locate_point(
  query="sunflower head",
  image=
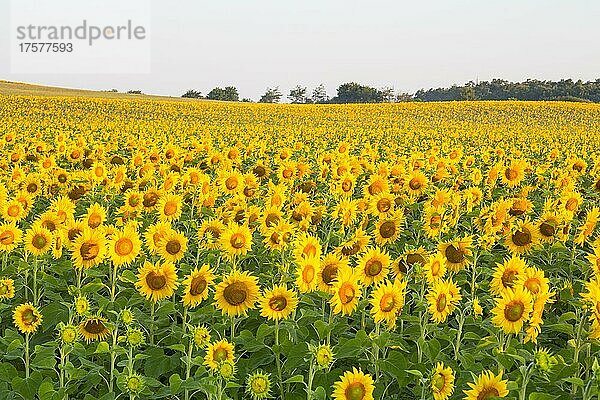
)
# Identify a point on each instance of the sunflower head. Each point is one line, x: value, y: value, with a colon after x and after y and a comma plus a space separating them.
x: 94, y: 328
x: 258, y: 385
x: 27, y: 318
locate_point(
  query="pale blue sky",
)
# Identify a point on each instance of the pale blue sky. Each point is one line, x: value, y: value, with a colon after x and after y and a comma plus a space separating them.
x: 253, y: 44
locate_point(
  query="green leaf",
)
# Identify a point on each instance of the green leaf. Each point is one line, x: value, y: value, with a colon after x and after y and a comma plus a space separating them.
x: 46, y: 389
x: 541, y: 396
x: 177, y: 347
x: 319, y: 393
x: 415, y: 372
x: 574, y: 380
x: 102, y: 347
x: 175, y: 383
x: 295, y: 379
x: 44, y: 358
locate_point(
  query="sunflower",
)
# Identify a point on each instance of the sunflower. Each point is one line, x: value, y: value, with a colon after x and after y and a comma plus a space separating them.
x: 587, y: 228
x: 27, y: 318
x: 230, y: 182
x: 506, y: 275
x: 354, y: 385
x: 236, y: 240
x: 442, y: 382
x: 307, y: 274
x: 196, y: 286
x: 487, y: 385
x: 154, y: 234
x: 218, y: 352
x: 521, y: 237
x: 373, y: 266
x: 416, y: 183
x: 13, y: 211
x: 258, y: 385
x: 387, y: 229
x: 433, y: 219
x: 387, y: 301
x: 236, y: 293
x: 548, y: 226
x: 331, y: 264
x: 382, y: 204
x: 514, y: 173
x: 157, y: 281
x: 278, y: 303
x: 94, y: 328
x: 170, y: 207
x: 38, y: 240
x: 306, y: 246
x: 172, y: 246
x: 435, y: 268
x: 7, y: 288
x: 133, y: 201
x: 457, y: 253
x: 125, y: 246
x: 89, y: 249
x: 346, y: 292
x: 375, y: 186
x: 443, y: 298
x: 10, y: 236
x: 534, y: 281
x: 96, y: 215
x: 210, y: 232
x: 594, y: 260
x: 512, y: 310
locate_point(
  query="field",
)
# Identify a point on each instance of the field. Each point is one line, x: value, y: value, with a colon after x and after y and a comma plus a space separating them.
x: 154, y: 248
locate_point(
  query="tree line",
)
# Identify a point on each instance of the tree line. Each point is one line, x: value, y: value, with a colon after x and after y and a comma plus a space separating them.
x: 352, y: 92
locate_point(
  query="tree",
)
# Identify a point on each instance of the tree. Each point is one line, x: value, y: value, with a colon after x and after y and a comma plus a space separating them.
x: 192, y: 94
x: 230, y: 93
x: 388, y: 94
x: 354, y: 93
x: 298, y: 95
x: 272, y: 95
x: 319, y: 95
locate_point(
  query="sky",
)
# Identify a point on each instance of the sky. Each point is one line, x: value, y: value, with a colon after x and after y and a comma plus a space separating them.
x: 407, y: 45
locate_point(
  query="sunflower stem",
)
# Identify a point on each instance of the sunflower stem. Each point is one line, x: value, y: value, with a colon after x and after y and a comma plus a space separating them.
x: 232, y: 328
x: 152, y: 309
x: 376, y: 352
x: 27, y: 355
x: 188, y: 365
x: 311, y: 376
x: 113, y: 358
x: 461, y: 320
x: 113, y: 284
x: 277, y: 359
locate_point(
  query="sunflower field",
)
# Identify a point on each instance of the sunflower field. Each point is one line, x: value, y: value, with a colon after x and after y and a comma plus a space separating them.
x: 206, y: 250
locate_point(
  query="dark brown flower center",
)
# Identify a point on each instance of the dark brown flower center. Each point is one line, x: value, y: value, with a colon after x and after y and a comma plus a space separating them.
x: 89, y: 251
x: 329, y: 273
x: 513, y: 311
x: 355, y: 391
x: 547, y: 228
x: 441, y: 302
x: 278, y: 303
x: 454, y: 254
x: 235, y: 293
x: 521, y: 238
x: 373, y: 267
x: 156, y: 281
x: 173, y: 247
x: 39, y: 241
x: 198, y: 285
x: 387, y: 229
x: 94, y: 326
x: 387, y: 302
